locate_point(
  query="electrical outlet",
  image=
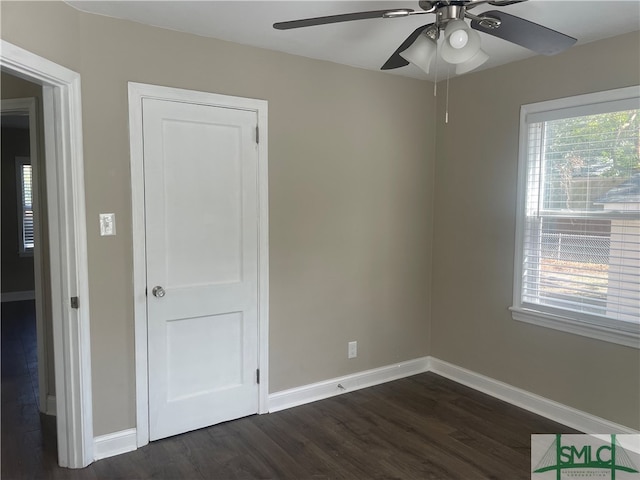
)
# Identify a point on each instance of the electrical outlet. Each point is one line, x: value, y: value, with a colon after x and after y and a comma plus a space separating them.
x: 353, y: 349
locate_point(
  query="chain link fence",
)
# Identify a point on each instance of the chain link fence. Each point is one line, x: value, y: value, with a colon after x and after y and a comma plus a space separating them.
x: 576, y: 248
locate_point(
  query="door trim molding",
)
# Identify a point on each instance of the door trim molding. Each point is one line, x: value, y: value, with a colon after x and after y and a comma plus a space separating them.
x: 63, y: 157
x: 137, y: 92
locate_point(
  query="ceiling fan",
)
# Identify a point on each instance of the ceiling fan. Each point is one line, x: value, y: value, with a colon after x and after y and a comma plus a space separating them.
x: 461, y: 45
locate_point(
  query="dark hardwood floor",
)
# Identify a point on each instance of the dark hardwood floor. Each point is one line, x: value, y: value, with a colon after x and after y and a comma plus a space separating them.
x: 421, y: 427
x: 28, y: 438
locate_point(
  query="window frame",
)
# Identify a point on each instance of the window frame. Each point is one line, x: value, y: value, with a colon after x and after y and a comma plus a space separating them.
x: 23, y: 250
x: 610, y: 330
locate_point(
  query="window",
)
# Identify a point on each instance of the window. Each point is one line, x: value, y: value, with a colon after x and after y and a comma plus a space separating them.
x: 25, y: 206
x: 577, y: 265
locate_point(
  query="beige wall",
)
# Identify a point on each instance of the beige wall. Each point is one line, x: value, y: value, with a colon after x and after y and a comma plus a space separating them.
x: 351, y: 158
x: 477, y: 156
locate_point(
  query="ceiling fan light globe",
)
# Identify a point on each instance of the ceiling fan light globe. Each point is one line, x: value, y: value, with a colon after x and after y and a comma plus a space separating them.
x: 420, y: 53
x: 459, y: 39
x: 473, y: 63
x: 453, y: 36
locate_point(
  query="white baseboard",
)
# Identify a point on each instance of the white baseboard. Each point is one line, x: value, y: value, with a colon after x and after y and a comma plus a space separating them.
x: 550, y: 409
x: 114, y: 443
x: 51, y: 405
x: 329, y: 388
x: 126, y: 440
x: 17, y: 296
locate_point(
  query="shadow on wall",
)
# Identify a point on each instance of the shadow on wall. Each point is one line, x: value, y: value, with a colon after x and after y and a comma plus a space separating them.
x: 17, y: 269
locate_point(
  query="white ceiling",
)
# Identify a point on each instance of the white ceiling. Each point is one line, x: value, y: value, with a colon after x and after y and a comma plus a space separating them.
x: 364, y: 43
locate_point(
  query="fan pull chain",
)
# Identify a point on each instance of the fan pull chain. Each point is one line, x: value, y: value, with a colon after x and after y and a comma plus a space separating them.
x: 435, y: 83
x: 446, y: 109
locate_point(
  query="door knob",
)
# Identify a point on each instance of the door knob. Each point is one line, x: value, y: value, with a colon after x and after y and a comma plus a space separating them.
x: 158, y: 291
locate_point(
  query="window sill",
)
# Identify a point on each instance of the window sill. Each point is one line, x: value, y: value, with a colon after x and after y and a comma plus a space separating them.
x: 569, y: 325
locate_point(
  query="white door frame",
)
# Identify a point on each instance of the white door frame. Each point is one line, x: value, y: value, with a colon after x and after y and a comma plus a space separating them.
x: 28, y: 106
x: 138, y: 91
x: 68, y: 247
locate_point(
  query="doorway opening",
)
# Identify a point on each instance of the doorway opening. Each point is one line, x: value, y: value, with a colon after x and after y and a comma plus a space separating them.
x: 28, y: 389
x: 66, y: 242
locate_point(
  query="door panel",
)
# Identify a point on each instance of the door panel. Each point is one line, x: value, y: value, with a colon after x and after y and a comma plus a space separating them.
x: 213, y: 199
x: 200, y: 166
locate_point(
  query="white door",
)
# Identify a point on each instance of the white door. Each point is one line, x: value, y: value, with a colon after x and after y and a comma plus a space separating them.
x: 201, y: 207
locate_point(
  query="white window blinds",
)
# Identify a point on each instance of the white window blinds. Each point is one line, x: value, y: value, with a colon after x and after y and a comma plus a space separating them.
x: 26, y: 205
x: 579, y: 230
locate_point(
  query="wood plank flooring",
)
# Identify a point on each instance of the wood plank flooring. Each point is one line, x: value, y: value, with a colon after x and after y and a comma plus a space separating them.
x: 421, y: 427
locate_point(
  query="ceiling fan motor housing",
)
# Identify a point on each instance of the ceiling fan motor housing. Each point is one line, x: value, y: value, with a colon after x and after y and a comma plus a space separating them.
x: 446, y: 13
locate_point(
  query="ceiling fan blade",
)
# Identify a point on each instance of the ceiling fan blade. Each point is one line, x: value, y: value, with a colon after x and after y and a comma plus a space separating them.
x: 395, y: 60
x: 504, y: 3
x: 527, y: 34
x: 345, y: 17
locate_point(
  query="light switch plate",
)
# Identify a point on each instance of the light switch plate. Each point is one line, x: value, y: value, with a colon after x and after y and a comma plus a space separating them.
x: 107, y: 224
